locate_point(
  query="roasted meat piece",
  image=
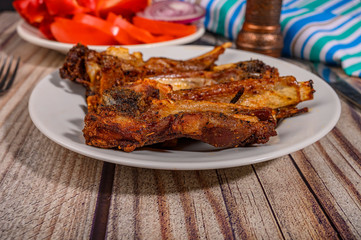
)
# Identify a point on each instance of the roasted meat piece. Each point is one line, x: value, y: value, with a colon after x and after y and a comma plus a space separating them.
x: 118, y: 66
x: 134, y: 103
x: 274, y: 93
x: 132, y: 117
x: 253, y: 69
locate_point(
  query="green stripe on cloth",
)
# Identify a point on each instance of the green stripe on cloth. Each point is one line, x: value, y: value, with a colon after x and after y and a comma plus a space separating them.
x: 313, y: 4
x: 351, y: 9
x: 214, y: 17
x: 320, y: 43
x: 349, y: 68
x: 223, y: 15
x: 285, y: 21
x: 309, y: 27
x: 353, y: 68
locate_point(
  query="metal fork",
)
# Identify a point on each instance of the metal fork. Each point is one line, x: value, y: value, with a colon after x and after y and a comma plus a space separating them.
x: 7, y: 79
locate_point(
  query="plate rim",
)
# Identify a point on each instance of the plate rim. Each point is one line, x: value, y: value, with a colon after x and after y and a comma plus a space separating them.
x: 224, y: 163
x: 22, y: 29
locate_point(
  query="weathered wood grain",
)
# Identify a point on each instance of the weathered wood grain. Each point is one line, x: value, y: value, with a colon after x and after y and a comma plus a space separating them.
x: 216, y: 204
x: 46, y: 190
x: 332, y: 169
x: 295, y: 208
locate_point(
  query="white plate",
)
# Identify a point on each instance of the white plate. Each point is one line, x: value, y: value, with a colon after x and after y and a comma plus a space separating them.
x: 34, y: 36
x: 57, y: 107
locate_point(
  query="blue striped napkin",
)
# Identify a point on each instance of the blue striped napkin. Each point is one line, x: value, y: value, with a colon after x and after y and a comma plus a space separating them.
x: 317, y: 30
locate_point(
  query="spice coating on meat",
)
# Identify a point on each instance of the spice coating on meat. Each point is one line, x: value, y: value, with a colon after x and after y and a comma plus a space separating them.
x: 145, y: 119
x: 134, y: 102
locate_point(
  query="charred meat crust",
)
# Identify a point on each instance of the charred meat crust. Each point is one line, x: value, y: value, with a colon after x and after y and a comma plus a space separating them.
x: 232, y: 105
x: 128, y: 119
x: 213, y: 128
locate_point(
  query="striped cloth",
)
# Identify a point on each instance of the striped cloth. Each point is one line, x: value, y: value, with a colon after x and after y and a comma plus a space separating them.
x: 317, y: 30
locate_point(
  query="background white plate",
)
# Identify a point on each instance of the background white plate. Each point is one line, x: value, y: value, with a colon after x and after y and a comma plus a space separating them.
x: 57, y: 107
x: 33, y: 35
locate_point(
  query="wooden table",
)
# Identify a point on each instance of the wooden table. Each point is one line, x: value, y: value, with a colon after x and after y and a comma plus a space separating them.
x: 47, y: 191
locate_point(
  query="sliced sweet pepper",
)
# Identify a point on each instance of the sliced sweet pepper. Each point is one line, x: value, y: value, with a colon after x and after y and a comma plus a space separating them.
x: 108, y: 27
x: 162, y: 27
x: 124, y: 7
x: 44, y: 27
x: 33, y: 11
x: 64, y: 7
x: 89, y: 5
x: 96, y: 22
x: 70, y: 31
x: 135, y: 32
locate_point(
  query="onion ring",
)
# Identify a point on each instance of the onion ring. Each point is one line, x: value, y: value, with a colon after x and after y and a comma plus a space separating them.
x: 173, y: 11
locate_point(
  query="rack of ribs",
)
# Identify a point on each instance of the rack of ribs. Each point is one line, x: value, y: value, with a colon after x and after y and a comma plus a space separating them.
x: 134, y: 103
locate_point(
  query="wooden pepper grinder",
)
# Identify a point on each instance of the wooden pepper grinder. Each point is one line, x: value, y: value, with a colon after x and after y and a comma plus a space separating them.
x: 261, y: 31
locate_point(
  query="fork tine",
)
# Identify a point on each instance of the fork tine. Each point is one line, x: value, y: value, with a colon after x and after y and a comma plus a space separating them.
x: 5, y: 77
x: 10, y: 82
x: 6, y: 83
x: 2, y: 65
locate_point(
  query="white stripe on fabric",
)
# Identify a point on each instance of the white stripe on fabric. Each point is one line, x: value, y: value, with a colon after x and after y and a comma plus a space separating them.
x: 332, y: 43
x: 291, y: 14
x: 296, y: 19
x: 214, y: 15
x: 239, y: 22
x: 314, y: 28
x: 357, y: 73
x: 347, y: 51
x: 302, y: 3
x: 328, y: 4
x: 351, y: 61
x: 354, y: 11
x: 319, y: 35
x: 229, y: 15
x: 291, y: 3
x: 346, y: 6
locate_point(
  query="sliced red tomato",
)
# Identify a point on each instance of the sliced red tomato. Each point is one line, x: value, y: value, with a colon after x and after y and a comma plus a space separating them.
x: 33, y: 11
x: 162, y: 27
x: 125, y: 8
x: 70, y: 31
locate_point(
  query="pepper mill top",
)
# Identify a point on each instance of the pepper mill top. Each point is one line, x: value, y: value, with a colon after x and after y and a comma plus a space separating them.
x: 261, y: 31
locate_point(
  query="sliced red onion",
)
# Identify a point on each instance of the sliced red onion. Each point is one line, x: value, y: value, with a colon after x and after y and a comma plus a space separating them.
x: 173, y: 11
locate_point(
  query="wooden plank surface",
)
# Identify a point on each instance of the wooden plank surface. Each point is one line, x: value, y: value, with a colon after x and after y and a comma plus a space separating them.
x: 332, y: 169
x: 47, y: 191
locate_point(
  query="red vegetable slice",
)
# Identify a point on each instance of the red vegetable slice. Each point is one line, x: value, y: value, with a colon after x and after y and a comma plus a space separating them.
x: 135, y: 32
x: 69, y: 31
x: 96, y: 22
x: 64, y: 7
x: 44, y: 27
x: 173, y: 11
x: 162, y: 27
x: 88, y: 4
x: 33, y: 11
x: 126, y: 8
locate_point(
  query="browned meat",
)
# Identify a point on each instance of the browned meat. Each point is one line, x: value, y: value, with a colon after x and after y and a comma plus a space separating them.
x: 134, y: 103
x: 118, y: 66
x: 128, y: 119
x: 257, y: 93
